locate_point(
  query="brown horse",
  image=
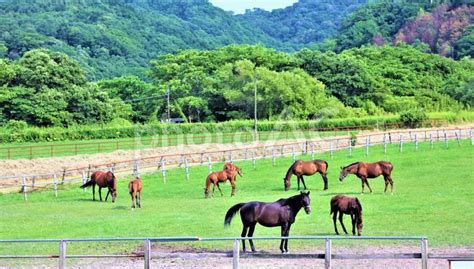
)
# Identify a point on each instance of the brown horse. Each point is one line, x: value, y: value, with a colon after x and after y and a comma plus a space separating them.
x: 347, y: 205
x: 306, y: 168
x: 369, y: 170
x: 135, y: 190
x: 221, y: 176
x: 280, y: 213
x: 103, y: 179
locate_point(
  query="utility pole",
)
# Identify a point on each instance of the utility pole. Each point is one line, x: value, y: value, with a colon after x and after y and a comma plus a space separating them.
x: 168, y: 101
x: 255, y: 103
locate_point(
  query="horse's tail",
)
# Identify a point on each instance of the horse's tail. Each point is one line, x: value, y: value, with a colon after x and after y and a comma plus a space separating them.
x: 359, y: 213
x: 88, y: 183
x: 327, y: 166
x: 231, y: 213
x: 358, y: 203
x: 130, y: 187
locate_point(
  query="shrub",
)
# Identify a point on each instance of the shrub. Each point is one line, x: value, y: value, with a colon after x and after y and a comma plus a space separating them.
x: 16, y: 125
x: 413, y: 118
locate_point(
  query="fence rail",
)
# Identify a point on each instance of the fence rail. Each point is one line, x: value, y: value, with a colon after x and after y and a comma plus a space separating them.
x: 328, y: 256
x: 68, y: 149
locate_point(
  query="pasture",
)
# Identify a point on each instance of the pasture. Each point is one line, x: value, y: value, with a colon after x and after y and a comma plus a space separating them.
x: 432, y: 197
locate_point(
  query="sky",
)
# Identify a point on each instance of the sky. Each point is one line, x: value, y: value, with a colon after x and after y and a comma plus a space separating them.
x: 239, y: 6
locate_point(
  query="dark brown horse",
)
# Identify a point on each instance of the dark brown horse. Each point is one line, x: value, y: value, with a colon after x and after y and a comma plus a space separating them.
x: 369, y: 170
x: 222, y: 176
x: 135, y: 190
x: 306, y: 168
x: 347, y: 205
x: 280, y: 213
x: 103, y: 179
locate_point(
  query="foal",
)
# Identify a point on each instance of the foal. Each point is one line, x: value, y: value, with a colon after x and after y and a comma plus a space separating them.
x: 347, y: 205
x: 135, y: 190
x: 229, y: 173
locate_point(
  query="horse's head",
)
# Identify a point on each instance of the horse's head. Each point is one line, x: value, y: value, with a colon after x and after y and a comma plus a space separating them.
x: 306, y: 201
x: 343, y: 173
x: 359, y: 227
x: 114, y: 194
x: 239, y: 171
x: 286, y: 183
x: 113, y: 186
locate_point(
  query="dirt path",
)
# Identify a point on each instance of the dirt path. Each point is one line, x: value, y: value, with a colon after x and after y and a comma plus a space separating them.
x: 193, y: 259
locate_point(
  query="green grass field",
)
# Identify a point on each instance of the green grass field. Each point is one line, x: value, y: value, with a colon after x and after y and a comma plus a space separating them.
x: 433, y: 197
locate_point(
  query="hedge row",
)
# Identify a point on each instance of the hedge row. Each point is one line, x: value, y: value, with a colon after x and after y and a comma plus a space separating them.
x: 35, y: 134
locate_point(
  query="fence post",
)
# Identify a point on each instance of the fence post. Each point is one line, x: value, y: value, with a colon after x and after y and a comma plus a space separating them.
x: 186, y: 168
x: 147, y: 254
x: 282, y: 150
x: 330, y: 149
x: 253, y: 160
x: 327, y: 254
x: 416, y: 141
x: 458, y: 138
x: 84, y: 179
x: 367, y: 146
x: 350, y: 147
x: 312, y: 151
x: 55, y: 182
x: 401, y: 143
x: 63, y: 176
x: 245, y: 154
x: 235, y: 255
x: 273, y: 156
x: 446, y: 139
x: 163, y: 169
x: 472, y: 137
x: 293, y: 153
x: 337, y: 144
x: 209, y: 163
x: 23, y: 186
x: 424, y: 253
x: 431, y: 141
x: 33, y: 179
x: 230, y: 157
x: 384, y: 144
x: 62, y: 254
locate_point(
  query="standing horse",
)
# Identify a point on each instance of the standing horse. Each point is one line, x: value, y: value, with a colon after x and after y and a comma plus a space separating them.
x: 135, y: 190
x: 306, y: 168
x: 280, y: 213
x: 103, y: 179
x: 369, y: 170
x: 347, y: 205
x: 221, y: 176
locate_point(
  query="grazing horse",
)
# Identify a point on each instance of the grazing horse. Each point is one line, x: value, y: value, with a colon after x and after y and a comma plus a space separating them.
x: 280, y: 213
x: 347, y: 205
x: 103, y: 179
x: 135, y: 190
x: 221, y: 176
x: 306, y: 168
x: 369, y: 170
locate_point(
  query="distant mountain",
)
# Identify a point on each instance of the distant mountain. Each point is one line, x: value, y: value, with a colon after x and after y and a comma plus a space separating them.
x: 115, y: 37
x: 303, y: 23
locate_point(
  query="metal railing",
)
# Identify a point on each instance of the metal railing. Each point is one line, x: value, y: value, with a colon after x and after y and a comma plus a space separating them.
x: 328, y: 256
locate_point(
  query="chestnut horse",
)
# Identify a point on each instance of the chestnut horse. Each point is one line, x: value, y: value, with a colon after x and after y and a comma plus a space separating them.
x: 103, y: 179
x: 221, y: 176
x: 347, y: 205
x: 369, y: 170
x: 135, y: 190
x: 280, y: 213
x: 306, y: 168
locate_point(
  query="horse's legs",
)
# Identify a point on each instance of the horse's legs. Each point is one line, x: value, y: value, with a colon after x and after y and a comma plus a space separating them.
x: 287, y: 234
x: 353, y: 219
x: 325, y: 179
x: 386, y: 184
x: 367, y: 183
x: 108, y: 192
x: 139, y: 195
x: 232, y: 183
x: 133, y: 199
x: 391, y: 183
x: 219, y: 189
x: 302, y: 180
x: 284, y: 229
x: 244, y: 234
x: 100, y: 193
x: 298, y: 181
x: 334, y: 217
x: 93, y: 192
x: 251, y: 230
x: 342, y: 223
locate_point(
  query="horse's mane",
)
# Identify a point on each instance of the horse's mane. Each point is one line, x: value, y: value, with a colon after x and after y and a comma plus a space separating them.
x: 290, y: 172
x: 287, y: 201
x: 351, y: 164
